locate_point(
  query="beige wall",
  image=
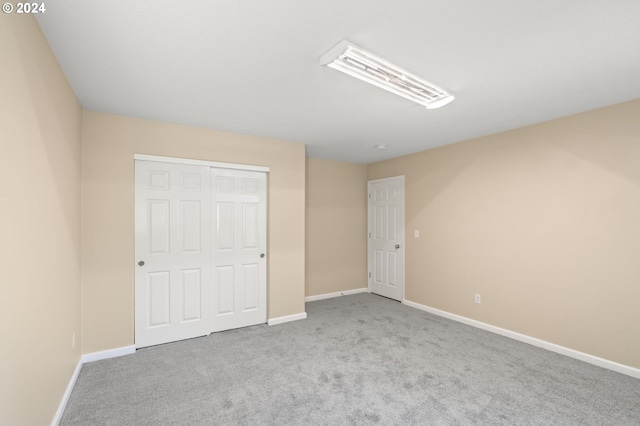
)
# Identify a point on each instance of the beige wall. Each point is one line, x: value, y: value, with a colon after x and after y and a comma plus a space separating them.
x: 542, y: 221
x: 39, y: 226
x: 109, y: 143
x: 336, y: 226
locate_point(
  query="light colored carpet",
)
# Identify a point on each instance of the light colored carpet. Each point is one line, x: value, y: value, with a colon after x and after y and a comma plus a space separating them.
x: 358, y: 360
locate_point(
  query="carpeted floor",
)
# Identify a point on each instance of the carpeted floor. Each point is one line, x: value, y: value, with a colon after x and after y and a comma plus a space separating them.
x: 358, y: 360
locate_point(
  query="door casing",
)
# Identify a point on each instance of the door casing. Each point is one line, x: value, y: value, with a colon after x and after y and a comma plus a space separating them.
x: 211, y: 164
x: 370, y: 231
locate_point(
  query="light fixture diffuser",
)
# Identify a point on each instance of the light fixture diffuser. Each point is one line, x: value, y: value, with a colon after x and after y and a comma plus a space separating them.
x: 359, y: 63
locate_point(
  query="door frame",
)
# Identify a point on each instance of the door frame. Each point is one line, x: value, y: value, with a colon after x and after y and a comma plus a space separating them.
x: 216, y: 164
x: 213, y: 164
x: 370, y: 231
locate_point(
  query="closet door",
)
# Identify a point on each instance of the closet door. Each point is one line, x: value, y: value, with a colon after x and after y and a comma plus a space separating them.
x: 239, y: 243
x: 173, y: 252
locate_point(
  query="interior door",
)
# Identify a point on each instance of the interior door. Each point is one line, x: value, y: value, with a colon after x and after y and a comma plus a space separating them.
x: 172, y: 247
x: 239, y: 243
x: 386, y: 237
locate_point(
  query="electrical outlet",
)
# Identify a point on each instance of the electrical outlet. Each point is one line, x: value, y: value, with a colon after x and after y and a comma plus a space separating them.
x: 477, y: 300
x: 73, y: 340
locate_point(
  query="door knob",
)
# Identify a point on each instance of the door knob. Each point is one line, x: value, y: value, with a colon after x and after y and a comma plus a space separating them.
x: 397, y: 246
x: 261, y: 255
x: 141, y: 263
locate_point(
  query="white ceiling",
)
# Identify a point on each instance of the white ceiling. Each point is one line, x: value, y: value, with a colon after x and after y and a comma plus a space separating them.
x: 252, y: 66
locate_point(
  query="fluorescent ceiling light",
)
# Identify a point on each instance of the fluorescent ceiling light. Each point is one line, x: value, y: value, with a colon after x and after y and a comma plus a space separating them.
x: 357, y: 62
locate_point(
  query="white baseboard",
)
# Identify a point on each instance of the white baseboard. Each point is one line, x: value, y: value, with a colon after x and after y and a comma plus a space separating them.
x: 287, y: 318
x: 591, y: 359
x: 111, y: 353
x: 67, y: 394
x: 336, y: 294
x: 95, y: 356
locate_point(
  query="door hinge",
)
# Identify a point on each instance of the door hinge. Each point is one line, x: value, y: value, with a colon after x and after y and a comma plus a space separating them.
x: 369, y: 234
x: 369, y: 274
x: 369, y: 195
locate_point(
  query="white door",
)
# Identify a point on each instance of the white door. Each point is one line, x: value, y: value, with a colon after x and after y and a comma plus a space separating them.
x: 172, y: 248
x: 386, y: 237
x: 239, y: 243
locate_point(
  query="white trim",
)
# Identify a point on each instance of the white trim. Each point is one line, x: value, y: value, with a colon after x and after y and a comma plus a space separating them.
x: 67, y: 394
x: 386, y: 179
x: 336, y: 294
x: 177, y: 160
x: 591, y: 359
x: 370, y: 228
x: 95, y: 356
x: 287, y: 318
x: 111, y: 353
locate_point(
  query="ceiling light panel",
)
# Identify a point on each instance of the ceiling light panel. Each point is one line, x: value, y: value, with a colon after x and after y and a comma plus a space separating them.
x: 359, y: 63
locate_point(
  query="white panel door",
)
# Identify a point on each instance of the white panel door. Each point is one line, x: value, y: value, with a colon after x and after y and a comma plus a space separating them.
x: 239, y: 243
x: 386, y: 237
x: 173, y: 249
